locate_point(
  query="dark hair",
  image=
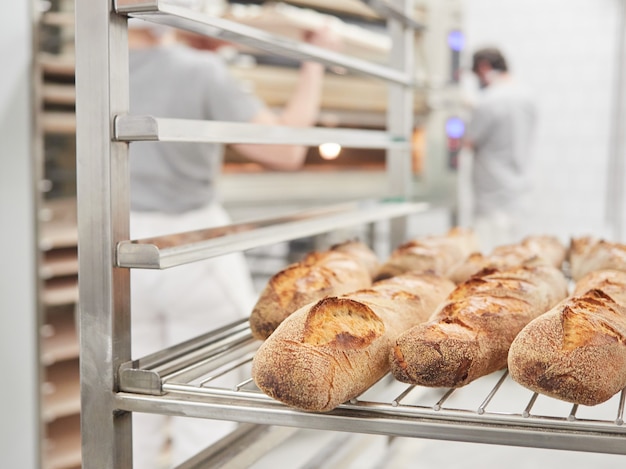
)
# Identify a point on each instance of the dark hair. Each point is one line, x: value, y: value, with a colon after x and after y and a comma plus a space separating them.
x: 492, y: 56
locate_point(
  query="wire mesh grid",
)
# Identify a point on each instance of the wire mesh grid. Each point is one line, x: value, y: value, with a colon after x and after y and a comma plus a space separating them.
x: 494, y: 398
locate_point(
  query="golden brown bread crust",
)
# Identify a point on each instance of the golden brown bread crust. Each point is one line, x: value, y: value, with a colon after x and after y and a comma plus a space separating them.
x: 470, y: 333
x: 438, y: 254
x: 611, y: 282
x: 362, y: 252
x: 576, y: 352
x: 345, y: 267
x: 333, y: 350
x: 587, y: 254
x: 532, y: 250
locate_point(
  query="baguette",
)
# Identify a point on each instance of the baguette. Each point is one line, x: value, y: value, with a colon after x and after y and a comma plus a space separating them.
x: 439, y: 254
x: 587, y: 254
x: 532, y: 250
x: 333, y: 350
x: 470, y: 333
x: 610, y: 281
x: 577, y: 351
x: 345, y: 267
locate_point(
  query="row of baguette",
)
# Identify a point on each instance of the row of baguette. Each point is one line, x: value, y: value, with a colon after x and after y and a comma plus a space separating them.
x: 438, y: 313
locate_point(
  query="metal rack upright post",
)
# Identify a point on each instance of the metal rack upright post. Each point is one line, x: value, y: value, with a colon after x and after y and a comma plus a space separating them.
x: 104, y: 129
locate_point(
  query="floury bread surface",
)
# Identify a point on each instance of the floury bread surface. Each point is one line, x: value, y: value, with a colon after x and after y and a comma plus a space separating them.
x: 334, y: 349
x: 470, y: 334
x: 438, y: 254
x: 344, y: 268
x: 587, y: 254
x: 532, y: 250
x: 576, y: 352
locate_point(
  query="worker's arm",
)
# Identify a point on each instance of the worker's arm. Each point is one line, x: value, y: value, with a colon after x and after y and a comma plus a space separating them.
x: 301, y: 110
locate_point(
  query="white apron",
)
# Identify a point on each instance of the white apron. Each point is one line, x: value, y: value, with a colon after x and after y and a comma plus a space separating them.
x: 172, y: 305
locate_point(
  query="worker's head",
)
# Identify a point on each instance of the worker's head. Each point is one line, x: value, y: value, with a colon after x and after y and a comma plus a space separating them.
x: 487, y: 61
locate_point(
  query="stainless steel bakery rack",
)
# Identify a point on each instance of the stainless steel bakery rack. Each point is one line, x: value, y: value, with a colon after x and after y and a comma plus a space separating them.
x: 192, y: 378
x: 185, y: 380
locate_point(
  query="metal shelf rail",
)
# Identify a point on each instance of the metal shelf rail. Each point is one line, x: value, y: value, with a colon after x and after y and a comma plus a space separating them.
x: 161, y: 252
x: 138, y: 128
x: 168, y: 13
x: 106, y: 254
x: 185, y: 380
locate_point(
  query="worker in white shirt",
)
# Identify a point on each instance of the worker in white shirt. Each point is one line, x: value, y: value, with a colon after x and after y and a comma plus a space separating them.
x: 173, y: 189
x: 500, y: 136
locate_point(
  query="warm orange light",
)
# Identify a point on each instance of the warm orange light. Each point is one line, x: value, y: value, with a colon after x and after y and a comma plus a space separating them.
x: 329, y: 151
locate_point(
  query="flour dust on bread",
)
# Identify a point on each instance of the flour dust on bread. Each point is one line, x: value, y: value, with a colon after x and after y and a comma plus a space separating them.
x: 576, y: 352
x: 438, y: 254
x: 532, y: 250
x: 343, y: 268
x: 470, y: 333
x: 334, y: 349
x: 587, y: 254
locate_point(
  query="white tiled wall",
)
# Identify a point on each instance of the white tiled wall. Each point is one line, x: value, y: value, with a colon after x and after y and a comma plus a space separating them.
x: 566, y: 50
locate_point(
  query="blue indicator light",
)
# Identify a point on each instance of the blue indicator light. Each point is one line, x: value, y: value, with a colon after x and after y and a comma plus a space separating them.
x: 455, y: 127
x: 456, y: 40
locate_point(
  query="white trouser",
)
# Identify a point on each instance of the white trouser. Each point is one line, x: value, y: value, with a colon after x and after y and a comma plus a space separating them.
x: 172, y: 305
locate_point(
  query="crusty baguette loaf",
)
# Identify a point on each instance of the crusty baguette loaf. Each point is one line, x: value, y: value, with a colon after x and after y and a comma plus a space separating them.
x: 344, y: 268
x: 587, y: 254
x: 333, y: 350
x: 532, y: 250
x: 439, y: 254
x: 610, y: 281
x: 576, y: 352
x: 470, y: 333
x: 361, y: 252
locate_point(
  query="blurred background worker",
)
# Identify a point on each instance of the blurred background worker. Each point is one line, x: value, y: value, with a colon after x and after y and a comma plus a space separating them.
x: 500, y: 135
x: 173, y: 190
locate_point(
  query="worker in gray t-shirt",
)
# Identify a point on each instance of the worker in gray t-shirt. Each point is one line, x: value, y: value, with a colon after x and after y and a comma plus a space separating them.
x: 175, y: 75
x: 500, y: 133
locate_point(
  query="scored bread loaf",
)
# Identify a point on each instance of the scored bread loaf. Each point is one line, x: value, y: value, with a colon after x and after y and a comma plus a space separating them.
x: 610, y: 281
x: 333, y: 350
x: 345, y: 267
x: 532, y: 250
x: 470, y: 333
x: 576, y: 352
x: 587, y: 254
x: 439, y: 254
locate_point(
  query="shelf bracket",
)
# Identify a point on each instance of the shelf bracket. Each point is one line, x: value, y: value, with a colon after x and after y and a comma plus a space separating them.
x: 140, y: 381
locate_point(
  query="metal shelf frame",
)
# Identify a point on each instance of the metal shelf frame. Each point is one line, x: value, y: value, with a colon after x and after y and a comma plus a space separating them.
x: 104, y: 130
